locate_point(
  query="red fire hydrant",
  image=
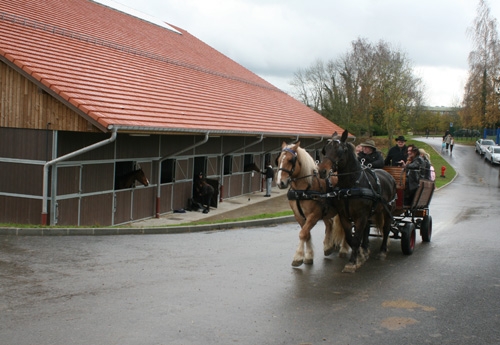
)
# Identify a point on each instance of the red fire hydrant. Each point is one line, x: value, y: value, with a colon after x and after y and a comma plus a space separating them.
x: 443, y: 169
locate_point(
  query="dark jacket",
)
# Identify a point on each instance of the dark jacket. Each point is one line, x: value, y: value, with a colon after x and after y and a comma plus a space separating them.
x: 269, y: 172
x: 414, y: 172
x: 395, y: 155
x: 375, y: 159
x: 426, y: 170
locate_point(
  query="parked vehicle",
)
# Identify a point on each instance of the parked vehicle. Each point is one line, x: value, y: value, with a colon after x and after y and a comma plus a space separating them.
x: 492, y: 154
x: 482, y: 144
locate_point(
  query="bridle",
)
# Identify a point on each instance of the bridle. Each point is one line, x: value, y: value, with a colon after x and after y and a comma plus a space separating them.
x: 293, y: 161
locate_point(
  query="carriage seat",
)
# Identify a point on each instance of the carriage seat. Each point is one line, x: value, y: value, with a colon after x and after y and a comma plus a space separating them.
x: 423, y: 195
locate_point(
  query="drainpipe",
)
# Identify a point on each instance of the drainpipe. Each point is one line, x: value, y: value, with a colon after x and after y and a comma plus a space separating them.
x: 228, y: 153
x: 158, y: 190
x: 65, y: 157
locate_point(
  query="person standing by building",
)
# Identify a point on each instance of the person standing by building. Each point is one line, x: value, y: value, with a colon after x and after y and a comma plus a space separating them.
x: 397, y: 153
x: 269, y: 173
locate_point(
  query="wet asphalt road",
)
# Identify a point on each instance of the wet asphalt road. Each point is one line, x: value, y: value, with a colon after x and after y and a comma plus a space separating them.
x: 238, y: 287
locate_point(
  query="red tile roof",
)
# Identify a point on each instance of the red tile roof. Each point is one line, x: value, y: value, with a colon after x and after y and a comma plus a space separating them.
x: 125, y: 72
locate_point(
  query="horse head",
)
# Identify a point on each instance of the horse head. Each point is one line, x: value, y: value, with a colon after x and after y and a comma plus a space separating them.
x: 287, y: 165
x: 336, y: 154
x: 141, y: 177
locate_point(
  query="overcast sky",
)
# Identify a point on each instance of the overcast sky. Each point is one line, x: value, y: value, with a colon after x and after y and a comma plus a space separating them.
x: 275, y: 38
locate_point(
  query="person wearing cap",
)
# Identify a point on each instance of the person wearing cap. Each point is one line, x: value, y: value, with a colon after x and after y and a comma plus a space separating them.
x: 397, y: 153
x: 369, y: 156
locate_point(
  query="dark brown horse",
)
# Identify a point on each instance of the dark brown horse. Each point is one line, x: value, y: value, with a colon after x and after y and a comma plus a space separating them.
x: 298, y: 170
x: 361, y: 194
x: 251, y: 167
x: 127, y: 180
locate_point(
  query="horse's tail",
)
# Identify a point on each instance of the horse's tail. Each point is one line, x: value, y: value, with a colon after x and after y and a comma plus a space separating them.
x: 338, y: 231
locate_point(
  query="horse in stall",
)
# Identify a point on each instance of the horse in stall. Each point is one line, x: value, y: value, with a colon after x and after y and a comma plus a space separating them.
x: 251, y: 167
x: 298, y: 170
x: 127, y: 180
x: 362, y: 194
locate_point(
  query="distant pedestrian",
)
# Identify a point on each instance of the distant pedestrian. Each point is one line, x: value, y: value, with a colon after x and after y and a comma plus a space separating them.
x: 452, y: 142
x: 269, y: 173
x: 447, y: 141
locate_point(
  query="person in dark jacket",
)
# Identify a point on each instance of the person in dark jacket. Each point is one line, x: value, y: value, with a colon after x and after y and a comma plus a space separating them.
x: 269, y: 173
x: 414, y: 167
x: 397, y: 153
x: 369, y: 156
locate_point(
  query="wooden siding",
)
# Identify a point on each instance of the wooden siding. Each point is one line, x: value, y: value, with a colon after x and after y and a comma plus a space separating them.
x: 181, y: 193
x: 131, y: 146
x: 143, y: 203
x: 24, y: 105
x: 97, y: 177
x: 20, y: 210
x: 21, y: 178
x: 96, y: 210
x: 71, y: 141
x: 171, y: 144
x: 184, y: 169
x: 123, y: 204
x: 68, y: 180
x: 67, y: 211
x: 25, y: 143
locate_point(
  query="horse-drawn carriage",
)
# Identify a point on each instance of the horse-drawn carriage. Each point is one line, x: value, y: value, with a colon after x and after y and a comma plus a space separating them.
x: 357, y: 197
x: 408, y: 218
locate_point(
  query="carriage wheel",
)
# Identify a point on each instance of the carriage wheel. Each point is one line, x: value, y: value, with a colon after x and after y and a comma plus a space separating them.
x: 426, y: 228
x: 408, y: 239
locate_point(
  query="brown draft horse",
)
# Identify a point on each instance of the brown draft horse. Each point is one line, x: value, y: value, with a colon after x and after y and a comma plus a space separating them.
x: 127, y: 180
x: 361, y: 194
x: 298, y: 170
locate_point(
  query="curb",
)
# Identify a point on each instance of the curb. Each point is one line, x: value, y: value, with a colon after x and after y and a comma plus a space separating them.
x: 144, y: 231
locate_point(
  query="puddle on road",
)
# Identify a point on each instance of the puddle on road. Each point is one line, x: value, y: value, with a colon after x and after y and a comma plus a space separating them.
x: 404, y: 304
x: 397, y: 323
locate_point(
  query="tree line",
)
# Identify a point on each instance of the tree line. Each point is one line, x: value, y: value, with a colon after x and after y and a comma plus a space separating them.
x: 372, y: 89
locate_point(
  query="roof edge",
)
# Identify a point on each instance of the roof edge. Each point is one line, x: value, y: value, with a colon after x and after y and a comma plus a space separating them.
x: 164, y: 130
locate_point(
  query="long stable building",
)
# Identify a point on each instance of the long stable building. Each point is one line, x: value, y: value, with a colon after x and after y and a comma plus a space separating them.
x: 90, y: 92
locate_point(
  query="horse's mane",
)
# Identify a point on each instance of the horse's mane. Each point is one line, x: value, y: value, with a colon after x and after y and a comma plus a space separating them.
x: 307, y: 162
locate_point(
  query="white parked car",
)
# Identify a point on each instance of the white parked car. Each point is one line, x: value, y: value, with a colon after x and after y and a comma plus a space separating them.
x: 482, y: 144
x: 492, y: 154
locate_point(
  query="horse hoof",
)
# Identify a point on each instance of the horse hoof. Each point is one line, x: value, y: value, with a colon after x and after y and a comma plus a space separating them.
x: 349, y: 268
x: 329, y: 251
x: 308, y: 261
x: 297, y: 263
x: 381, y: 256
